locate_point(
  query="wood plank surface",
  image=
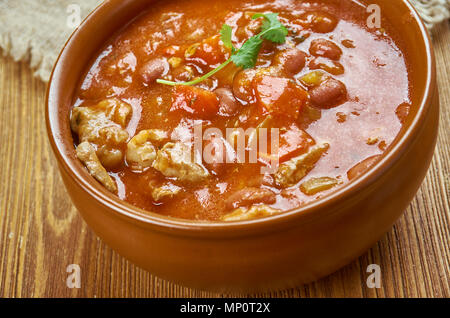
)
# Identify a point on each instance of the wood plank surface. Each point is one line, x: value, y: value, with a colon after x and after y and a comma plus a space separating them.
x: 41, y: 232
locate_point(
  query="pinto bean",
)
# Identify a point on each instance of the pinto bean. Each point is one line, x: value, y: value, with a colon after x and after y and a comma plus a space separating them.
x: 291, y: 61
x: 154, y: 69
x: 318, y: 21
x: 183, y: 73
x: 110, y: 157
x: 250, y: 196
x: 242, y: 84
x: 228, y: 105
x: 325, y: 48
x: 86, y: 153
x: 328, y: 94
x: 362, y: 167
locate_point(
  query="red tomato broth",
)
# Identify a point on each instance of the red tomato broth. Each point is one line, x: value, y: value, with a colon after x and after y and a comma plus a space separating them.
x: 375, y: 76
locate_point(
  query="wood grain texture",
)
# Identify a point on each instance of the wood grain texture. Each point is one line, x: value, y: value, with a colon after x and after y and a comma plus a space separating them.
x: 41, y: 232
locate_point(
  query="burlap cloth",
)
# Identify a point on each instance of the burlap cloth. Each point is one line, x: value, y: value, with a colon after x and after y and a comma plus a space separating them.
x: 36, y: 30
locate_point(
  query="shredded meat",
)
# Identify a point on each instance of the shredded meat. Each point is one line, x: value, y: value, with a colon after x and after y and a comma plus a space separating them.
x: 157, y: 136
x: 103, y: 125
x: 292, y: 171
x: 86, y: 153
x: 250, y: 196
x: 164, y: 192
x: 87, y: 121
x: 175, y: 160
x: 140, y: 152
x: 256, y: 211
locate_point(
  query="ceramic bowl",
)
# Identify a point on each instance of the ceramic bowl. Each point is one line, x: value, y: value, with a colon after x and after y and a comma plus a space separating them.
x: 299, y: 246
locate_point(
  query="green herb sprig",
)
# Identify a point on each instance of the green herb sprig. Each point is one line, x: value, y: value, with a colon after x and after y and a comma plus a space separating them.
x: 272, y: 30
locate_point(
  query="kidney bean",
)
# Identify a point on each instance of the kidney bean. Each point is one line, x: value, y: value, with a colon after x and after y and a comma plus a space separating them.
x: 154, y: 69
x: 325, y: 48
x: 362, y: 167
x: 318, y: 21
x: 183, y: 73
x: 242, y: 85
x: 228, y: 105
x: 328, y: 94
x: 291, y: 61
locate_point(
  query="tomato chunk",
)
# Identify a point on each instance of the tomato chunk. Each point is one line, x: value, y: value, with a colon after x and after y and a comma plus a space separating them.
x: 196, y: 101
x: 280, y: 96
x: 293, y: 142
x: 209, y: 52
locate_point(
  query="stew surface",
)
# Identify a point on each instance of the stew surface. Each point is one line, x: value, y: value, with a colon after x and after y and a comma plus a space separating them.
x: 336, y: 91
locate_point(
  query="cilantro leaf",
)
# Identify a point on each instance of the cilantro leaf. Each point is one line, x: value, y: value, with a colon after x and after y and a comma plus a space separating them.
x: 246, y: 56
x: 226, y: 35
x: 272, y: 29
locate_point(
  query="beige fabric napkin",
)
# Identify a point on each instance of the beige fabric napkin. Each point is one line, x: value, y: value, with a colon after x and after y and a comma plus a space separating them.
x: 432, y: 11
x: 36, y: 30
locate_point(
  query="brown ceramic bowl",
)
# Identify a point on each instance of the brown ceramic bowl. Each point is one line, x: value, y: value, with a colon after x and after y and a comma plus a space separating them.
x: 282, y: 251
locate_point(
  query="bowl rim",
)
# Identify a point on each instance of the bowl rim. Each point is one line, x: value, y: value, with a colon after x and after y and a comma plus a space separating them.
x: 180, y: 226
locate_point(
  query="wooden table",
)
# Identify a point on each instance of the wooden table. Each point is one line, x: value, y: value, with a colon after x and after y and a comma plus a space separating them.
x: 41, y: 232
